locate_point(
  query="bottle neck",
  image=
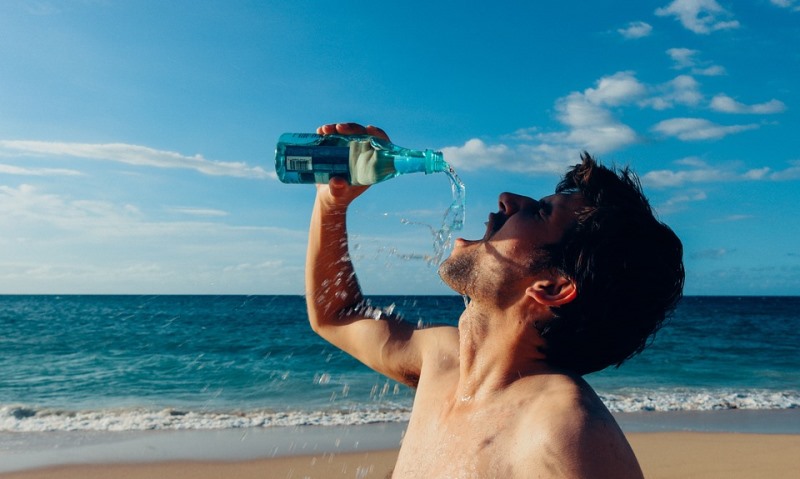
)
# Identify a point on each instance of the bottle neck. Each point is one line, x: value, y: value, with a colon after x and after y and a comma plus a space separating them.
x: 427, y: 161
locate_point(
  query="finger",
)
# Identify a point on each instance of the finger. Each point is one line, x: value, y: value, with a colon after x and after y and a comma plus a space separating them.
x: 377, y: 132
x: 342, y: 191
x: 327, y: 129
x: 337, y: 185
x: 350, y: 129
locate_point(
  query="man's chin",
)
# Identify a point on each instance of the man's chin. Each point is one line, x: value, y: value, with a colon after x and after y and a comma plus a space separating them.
x: 455, y: 272
x: 463, y: 243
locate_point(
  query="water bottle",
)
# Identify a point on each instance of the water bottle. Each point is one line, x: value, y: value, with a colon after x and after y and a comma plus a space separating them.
x: 360, y: 159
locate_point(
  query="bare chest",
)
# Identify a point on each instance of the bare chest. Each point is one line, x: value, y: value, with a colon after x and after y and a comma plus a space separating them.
x: 465, y: 444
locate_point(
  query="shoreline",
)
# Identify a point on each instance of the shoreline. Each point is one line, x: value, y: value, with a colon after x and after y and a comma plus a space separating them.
x: 371, y: 446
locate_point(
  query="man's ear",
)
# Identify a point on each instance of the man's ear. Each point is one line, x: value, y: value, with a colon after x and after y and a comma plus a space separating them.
x: 556, y: 291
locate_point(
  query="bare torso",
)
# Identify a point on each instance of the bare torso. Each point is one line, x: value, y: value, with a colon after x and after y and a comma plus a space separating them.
x: 545, y: 427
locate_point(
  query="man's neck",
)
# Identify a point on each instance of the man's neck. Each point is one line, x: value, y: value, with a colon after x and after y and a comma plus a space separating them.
x: 497, y: 348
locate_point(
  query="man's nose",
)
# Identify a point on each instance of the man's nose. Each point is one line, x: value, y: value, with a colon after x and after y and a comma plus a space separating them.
x: 510, y: 203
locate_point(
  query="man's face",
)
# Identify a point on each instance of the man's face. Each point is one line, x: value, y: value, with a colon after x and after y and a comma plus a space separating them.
x: 510, y: 253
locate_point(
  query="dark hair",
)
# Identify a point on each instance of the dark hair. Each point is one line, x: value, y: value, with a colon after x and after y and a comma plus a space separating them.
x: 627, y: 267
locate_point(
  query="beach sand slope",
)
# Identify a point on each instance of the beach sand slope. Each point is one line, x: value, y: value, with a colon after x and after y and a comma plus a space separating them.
x: 663, y: 455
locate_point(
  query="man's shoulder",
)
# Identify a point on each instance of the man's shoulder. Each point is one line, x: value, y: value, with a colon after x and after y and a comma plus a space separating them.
x: 438, y: 354
x: 440, y: 347
x: 565, y: 403
x: 571, y: 422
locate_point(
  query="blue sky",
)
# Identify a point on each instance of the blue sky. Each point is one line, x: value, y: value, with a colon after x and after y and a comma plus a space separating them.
x: 137, y: 137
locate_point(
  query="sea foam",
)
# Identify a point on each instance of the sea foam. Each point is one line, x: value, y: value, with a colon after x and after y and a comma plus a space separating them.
x: 699, y: 400
x: 23, y: 418
x: 26, y: 419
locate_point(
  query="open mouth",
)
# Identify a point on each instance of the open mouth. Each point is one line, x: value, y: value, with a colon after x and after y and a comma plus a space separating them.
x: 496, y: 221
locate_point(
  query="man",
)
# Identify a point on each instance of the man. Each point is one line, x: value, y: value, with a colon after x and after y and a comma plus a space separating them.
x: 558, y: 288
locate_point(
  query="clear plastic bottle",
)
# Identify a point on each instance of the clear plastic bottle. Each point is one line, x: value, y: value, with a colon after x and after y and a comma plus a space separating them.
x: 360, y: 159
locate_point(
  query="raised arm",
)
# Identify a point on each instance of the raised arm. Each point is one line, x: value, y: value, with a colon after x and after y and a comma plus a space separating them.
x: 336, y: 308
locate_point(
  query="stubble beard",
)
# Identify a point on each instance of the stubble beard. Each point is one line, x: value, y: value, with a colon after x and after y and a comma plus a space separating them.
x: 459, y: 272
x: 463, y: 272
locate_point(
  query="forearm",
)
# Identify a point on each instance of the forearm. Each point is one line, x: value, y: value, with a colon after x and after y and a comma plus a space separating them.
x: 331, y: 283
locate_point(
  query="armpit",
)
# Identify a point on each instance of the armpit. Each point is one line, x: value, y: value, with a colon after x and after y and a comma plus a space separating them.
x: 410, y: 379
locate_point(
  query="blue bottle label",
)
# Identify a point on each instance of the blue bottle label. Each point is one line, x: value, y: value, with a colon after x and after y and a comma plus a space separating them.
x: 299, y: 163
x: 317, y: 163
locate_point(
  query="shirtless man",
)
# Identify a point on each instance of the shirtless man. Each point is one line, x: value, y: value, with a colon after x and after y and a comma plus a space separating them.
x: 558, y: 288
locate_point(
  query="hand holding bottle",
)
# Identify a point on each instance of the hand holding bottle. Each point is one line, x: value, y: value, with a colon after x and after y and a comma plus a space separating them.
x: 339, y: 189
x: 359, y: 155
x: 352, y: 129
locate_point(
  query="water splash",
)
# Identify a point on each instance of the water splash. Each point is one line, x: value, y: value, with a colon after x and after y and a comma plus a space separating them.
x: 366, y: 309
x: 453, y: 220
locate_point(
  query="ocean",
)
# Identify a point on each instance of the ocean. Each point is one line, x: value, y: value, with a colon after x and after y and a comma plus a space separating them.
x: 132, y: 363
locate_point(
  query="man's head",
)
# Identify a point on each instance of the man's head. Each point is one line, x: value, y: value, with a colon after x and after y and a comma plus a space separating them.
x: 627, y: 268
x: 499, y: 269
x: 593, y: 256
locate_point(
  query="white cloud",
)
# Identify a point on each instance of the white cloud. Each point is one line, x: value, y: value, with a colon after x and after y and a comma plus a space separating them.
x: 132, y: 155
x: 710, y: 71
x: 681, y: 200
x: 686, y: 58
x: 546, y: 155
x: 207, y: 212
x: 682, y: 57
x: 54, y: 243
x: 617, y: 89
x: 246, y: 267
x: 724, y: 103
x: 577, y: 111
x: 698, y: 171
x: 682, y: 90
x: 791, y: 4
x: 670, y: 178
x: 95, y: 218
x: 692, y: 161
x: 526, y: 134
x: 699, y: 16
x: 476, y: 155
x: 685, y: 90
x: 756, y: 173
x: 791, y: 173
x: 691, y: 129
x: 635, y: 30
x: 20, y: 171
x: 590, y: 125
x: 34, y: 207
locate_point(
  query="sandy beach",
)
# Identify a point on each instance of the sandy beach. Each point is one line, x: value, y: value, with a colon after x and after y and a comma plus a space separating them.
x: 730, y: 444
x: 663, y: 455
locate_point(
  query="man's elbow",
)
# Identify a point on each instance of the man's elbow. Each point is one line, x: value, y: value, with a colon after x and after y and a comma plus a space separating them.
x: 322, y: 330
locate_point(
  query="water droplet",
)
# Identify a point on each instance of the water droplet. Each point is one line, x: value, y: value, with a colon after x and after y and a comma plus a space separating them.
x: 453, y: 220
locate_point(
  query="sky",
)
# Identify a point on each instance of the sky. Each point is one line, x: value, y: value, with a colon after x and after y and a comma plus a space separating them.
x: 137, y: 137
